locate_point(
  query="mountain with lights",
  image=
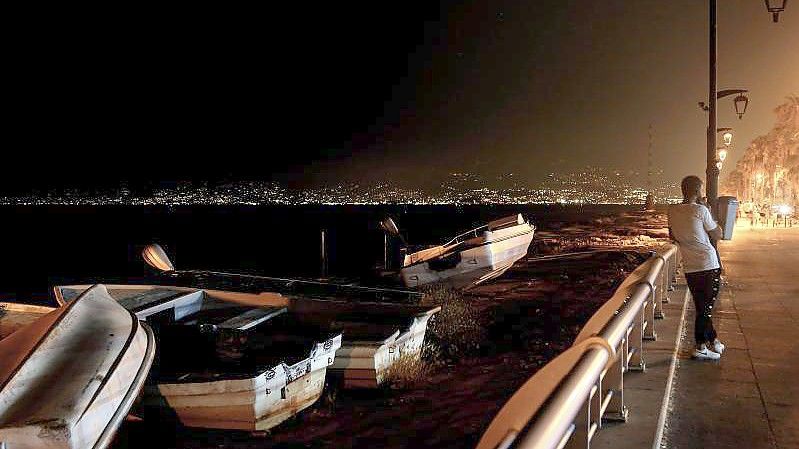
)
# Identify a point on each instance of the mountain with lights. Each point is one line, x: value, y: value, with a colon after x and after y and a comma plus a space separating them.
x: 768, y: 172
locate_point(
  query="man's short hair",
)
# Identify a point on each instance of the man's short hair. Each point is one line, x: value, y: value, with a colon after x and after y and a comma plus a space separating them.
x: 690, y: 185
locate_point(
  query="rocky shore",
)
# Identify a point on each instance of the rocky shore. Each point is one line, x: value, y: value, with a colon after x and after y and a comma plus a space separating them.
x: 520, y: 322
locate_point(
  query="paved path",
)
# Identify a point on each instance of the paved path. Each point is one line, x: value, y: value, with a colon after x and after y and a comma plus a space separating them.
x: 749, y: 399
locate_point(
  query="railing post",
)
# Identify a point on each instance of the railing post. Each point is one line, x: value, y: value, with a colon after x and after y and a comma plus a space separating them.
x: 649, y: 314
x: 666, y: 280
x: 673, y: 271
x: 614, y: 378
x: 635, y: 342
x: 660, y: 296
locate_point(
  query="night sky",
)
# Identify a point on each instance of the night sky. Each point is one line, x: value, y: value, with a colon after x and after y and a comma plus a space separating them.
x: 321, y: 92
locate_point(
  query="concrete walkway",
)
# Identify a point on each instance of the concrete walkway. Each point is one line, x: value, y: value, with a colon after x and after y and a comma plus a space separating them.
x: 749, y: 399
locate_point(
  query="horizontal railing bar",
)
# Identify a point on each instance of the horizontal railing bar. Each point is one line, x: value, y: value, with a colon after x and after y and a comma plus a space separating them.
x: 557, y: 414
x: 614, y: 331
x: 554, y: 424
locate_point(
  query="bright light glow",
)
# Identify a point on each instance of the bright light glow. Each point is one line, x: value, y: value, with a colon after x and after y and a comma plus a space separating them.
x: 718, y: 165
x: 784, y: 209
x: 722, y: 154
x: 727, y: 138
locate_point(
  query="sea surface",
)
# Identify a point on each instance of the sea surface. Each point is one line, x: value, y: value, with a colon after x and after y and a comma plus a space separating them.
x: 49, y: 245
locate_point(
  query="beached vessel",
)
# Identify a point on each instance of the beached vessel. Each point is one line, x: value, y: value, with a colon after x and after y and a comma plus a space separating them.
x: 68, y: 379
x: 375, y: 335
x: 470, y: 258
x: 250, y: 365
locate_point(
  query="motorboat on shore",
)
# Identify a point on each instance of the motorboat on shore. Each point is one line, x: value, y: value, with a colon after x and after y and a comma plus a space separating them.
x: 68, y: 378
x: 471, y: 258
x: 226, y: 360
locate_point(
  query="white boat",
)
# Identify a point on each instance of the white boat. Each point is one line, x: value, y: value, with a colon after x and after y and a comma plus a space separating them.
x: 374, y: 335
x: 470, y: 258
x: 251, y: 365
x: 68, y: 379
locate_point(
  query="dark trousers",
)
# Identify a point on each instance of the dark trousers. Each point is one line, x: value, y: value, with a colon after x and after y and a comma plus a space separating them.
x: 704, y: 287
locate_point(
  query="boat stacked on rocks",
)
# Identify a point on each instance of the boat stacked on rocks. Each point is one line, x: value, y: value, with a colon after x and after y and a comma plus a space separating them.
x: 69, y: 377
x: 468, y: 259
x: 249, y: 361
x: 226, y: 360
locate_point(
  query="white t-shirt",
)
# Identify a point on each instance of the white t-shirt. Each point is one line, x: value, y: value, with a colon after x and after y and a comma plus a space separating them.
x: 689, y: 224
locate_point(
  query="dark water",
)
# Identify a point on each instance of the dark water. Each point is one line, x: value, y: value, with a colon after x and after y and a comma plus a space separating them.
x: 43, y: 246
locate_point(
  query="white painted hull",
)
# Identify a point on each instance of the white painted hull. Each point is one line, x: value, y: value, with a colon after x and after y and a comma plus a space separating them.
x: 235, y: 401
x: 363, y: 364
x: 256, y: 403
x: 498, y: 251
x: 68, y: 379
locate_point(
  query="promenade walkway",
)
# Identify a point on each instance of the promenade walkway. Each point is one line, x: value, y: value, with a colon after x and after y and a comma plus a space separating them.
x: 749, y: 399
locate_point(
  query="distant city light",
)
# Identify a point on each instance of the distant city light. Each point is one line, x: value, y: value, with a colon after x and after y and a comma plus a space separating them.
x: 589, y: 186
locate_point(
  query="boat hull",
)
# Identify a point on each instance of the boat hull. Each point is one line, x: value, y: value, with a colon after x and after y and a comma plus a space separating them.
x: 478, y: 264
x: 364, y: 364
x: 257, y: 403
x: 98, y: 355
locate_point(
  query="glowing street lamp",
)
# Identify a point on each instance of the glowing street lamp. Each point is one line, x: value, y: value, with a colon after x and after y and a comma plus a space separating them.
x: 727, y: 138
x: 722, y: 154
x: 727, y: 135
x: 775, y: 7
x: 718, y: 165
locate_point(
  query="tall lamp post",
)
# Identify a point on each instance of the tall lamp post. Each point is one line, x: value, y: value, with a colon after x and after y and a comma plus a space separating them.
x: 741, y: 101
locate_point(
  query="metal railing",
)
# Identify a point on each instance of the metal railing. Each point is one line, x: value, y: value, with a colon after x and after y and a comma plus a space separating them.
x: 564, y: 404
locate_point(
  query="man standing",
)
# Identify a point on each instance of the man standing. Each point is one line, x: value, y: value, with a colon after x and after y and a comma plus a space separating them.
x: 693, y: 228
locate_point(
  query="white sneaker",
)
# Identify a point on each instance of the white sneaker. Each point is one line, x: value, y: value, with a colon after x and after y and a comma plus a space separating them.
x: 706, y: 354
x: 718, y: 346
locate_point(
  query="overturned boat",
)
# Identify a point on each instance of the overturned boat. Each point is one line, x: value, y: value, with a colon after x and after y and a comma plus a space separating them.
x: 470, y: 258
x: 226, y: 360
x: 68, y: 379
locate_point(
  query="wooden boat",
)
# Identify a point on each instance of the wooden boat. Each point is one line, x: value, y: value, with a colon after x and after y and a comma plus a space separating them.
x: 470, y: 258
x: 375, y: 335
x: 250, y: 367
x: 68, y: 379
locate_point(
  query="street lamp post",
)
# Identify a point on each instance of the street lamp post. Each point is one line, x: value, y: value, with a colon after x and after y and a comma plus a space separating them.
x: 741, y: 101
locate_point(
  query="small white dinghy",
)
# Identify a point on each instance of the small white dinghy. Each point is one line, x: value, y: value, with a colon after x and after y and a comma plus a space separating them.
x: 226, y: 360
x: 68, y: 379
x: 376, y: 335
x: 470, y: 258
